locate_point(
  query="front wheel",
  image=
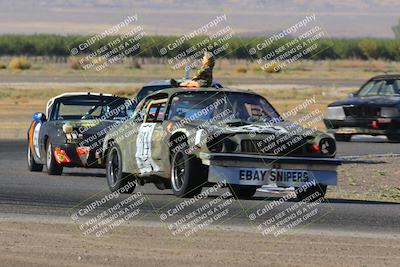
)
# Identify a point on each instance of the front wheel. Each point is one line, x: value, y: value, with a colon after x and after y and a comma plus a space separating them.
x: 116, y: 179
x: 32, y: 165
x: 312, y: 193
x: 53, y: 168
x: 187, y: 175
x: 242, y: 191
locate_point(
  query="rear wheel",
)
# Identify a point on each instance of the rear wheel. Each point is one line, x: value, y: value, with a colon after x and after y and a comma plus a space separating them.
x: 32, y: 165
x: 187, y: 176
x: 242, y: 191
x: 53, y: 168
x: 312, y: 193
x: 117, y: 179
x: 343, y: 137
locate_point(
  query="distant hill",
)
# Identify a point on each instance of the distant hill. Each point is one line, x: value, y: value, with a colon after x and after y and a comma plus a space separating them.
x: 340, y: 18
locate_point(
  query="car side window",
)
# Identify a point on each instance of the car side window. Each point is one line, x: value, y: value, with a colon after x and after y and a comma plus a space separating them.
x: 156, y: 111
x: 141, y: 111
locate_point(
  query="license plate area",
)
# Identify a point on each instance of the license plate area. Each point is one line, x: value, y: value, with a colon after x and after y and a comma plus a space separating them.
x: 274, y: 175
x: 284, y: 177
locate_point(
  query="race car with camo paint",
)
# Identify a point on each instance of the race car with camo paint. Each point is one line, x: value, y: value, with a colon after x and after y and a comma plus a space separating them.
x: 373, y: 110
x: 186, y: 139
x: 72, y: 129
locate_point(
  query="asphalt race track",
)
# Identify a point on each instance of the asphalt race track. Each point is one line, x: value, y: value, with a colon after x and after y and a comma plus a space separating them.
x: 22, y: 192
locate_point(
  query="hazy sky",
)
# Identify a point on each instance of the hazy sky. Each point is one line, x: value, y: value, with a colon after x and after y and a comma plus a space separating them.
x: 340, y: 18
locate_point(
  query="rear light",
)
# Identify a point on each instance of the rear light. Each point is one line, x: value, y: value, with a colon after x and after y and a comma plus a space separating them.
x: 374, y: 125
x: 61, y: 156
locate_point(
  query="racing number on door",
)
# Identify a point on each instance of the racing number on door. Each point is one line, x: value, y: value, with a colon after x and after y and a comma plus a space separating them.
x: 144, y: 158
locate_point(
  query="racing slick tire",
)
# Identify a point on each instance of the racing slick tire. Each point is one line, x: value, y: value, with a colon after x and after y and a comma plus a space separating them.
x: 343, y: 137
x: 117, y: 179
x: 187, y: 175
x: 242, y: 191
x: 32, y: 165
x: 312, y: 193
x: 53, y: 168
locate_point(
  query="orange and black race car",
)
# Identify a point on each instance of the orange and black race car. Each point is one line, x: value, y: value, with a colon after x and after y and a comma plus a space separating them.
x: 73, y: 129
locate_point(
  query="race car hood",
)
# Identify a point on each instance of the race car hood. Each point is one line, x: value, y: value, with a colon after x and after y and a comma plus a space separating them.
x: 281, y: 138
x: 373, y: 101
x: 89, y: 127
x: 91, y: 131
x: 284, y: 127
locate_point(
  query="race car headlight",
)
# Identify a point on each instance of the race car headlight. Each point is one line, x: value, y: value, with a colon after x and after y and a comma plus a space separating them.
x: 335, y: 113
x: 67, y: 128
x: 215, y: 144
x: 389, y: 112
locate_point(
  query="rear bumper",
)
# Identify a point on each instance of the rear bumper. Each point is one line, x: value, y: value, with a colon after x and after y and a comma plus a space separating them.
x: 363, y: 126
x: 257, y: 170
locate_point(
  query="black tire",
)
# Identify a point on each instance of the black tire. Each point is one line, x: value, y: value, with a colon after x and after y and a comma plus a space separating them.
x: 393, y: 137
x: 306, y: 195
x: 117, y: 179
x: 163, y: 185
x: 53, y: 168
x: 242, y: 191
x: 343, y: 137
x: 187, y: 174
x: 32, y: 165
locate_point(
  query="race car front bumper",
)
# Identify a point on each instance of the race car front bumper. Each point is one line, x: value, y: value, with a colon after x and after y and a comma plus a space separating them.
x: 71, y: 155
x: 258, y: 170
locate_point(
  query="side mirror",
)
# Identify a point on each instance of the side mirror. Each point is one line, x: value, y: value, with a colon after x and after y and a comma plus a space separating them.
x: 39, y: 117
x: 350, y: 95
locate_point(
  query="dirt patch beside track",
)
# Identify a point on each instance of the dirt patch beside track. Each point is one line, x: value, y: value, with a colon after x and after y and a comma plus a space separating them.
x: 38, y: 244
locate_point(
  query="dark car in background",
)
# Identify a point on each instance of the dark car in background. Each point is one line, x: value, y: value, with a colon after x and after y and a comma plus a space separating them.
x: 373, y: 110
x: 73, y: 129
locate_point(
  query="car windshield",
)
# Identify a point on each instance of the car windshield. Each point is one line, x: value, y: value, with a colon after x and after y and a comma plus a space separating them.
x: 203, y: 106
x: 81, y: 108
x: 390, y: 87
